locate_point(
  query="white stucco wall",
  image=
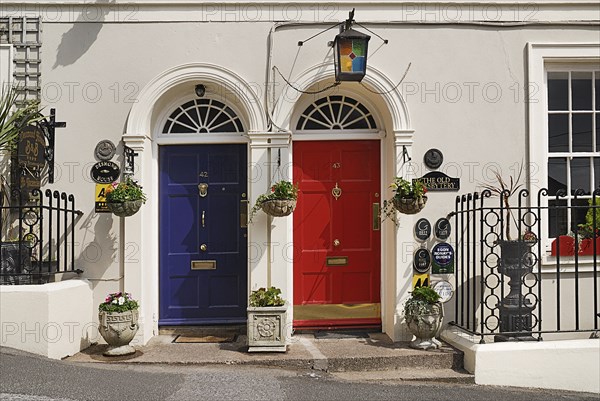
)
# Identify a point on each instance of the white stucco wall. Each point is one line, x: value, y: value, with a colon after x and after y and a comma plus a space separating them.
x: 464, y: 95
x: 564, y: 365
x: 54, y: 320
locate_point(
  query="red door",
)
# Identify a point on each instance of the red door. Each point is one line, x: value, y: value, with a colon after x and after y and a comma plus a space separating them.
x: 336, y: 234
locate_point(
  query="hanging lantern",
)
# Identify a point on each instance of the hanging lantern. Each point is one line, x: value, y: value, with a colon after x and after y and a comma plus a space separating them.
x: 350, y: 48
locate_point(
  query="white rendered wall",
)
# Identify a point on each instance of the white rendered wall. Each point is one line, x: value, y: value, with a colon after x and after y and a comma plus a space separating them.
x: 464, y: 91
x: 54, y: 320
x: 563, y: 365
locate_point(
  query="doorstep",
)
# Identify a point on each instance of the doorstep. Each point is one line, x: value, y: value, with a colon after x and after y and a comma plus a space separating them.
x: 374, y: 352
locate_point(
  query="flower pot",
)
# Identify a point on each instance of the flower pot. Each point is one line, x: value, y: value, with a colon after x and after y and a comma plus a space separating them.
x: 124, y: 209
x: 118, y: 329
x: 425, y: 325
x: 409, y: 205
x: 278, y: 207
x: 266, y: 329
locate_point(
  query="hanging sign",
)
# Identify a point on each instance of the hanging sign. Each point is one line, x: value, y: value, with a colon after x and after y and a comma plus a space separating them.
x: 422, y: 229
x: 420, y: 280
x: 442, y: 229
x: 32, y: 147
x: 105, y: 172
x: 100, y: 204
x: 442, y: 258
x: 444, y: 290
x: 421, y: 260
x: 438, y: 181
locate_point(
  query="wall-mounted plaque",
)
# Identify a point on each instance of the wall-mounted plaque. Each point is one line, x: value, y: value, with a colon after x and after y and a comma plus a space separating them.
x: 421, y: 260
x: 442, y: 229
x: 442, y: 256
x: 105, y: 172
x: 420, y: 280
x: 100, y: 203
x: 433, y: 158
x: 423, y: 229
x: 438, y: 181
x: 105, y: 150
x: 444, y: 290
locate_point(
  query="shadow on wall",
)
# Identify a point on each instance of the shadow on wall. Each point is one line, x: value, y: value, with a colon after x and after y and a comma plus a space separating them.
x: 77, y: 40
x: 98, y: 254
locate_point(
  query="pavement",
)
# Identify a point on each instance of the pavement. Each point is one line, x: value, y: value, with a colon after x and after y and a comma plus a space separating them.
x: 371, y: 355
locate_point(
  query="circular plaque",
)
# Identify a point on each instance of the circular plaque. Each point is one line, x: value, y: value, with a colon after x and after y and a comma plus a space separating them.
x: 105, y: 150
x: 422, y: 260
x: 423, y: 229
x: 444, y: 290
x: 105, y: 172
x: 442, y: 228
x: 433, y: 158
x: 442, y: 257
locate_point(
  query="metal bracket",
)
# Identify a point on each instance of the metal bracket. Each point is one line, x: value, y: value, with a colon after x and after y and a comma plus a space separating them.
x: 129, y: 155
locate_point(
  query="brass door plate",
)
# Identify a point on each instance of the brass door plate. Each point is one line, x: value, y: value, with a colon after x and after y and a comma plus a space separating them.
x: 204, y: 265
x: 336, y: 261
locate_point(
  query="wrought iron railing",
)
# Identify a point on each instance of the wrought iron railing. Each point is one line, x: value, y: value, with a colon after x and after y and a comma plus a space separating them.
x: 528, y: 285
x: 37, y: 238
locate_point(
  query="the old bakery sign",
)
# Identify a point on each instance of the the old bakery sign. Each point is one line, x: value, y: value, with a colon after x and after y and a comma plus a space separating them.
x: 438, y: 181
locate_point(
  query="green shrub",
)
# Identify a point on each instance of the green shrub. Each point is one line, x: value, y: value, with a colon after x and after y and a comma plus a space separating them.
x: 266, y: 297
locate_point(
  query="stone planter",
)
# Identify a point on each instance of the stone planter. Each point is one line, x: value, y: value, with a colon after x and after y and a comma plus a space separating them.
x: 425, y: 326
x: 118, y: 329
x: 279, y: 207
x: 409, y: 205
x: 267, y: 329
x: 124, y: 209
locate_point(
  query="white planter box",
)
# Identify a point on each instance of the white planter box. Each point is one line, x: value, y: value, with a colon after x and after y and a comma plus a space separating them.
x: 266, y: 329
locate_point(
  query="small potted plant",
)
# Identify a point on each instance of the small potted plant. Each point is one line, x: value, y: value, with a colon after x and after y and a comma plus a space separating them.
x: 125, y: 198
x: 409, y: 196
x: 267, y: 321
x: 423, y: 314
x: 118, y: 316
x: 279, y: 202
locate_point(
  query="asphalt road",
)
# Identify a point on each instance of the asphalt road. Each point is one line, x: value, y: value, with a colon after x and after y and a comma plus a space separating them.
x: 28, y: 377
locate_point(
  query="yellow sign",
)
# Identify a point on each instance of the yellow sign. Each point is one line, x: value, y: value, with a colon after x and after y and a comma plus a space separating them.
x: 420, y: 280
x: 101, y: 198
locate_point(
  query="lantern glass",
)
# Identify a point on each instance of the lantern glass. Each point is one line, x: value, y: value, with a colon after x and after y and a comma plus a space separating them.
x: 351, y: 55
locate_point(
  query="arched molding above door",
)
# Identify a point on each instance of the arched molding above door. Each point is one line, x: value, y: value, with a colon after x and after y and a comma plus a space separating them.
x: 226, y: 82
x: 375, y: 80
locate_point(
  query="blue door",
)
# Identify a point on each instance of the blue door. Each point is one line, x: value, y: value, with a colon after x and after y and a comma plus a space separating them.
x: 203, y: 234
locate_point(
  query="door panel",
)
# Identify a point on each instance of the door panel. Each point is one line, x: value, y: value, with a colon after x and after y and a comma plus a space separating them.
x: 337, y: 264
x: 204, y: 229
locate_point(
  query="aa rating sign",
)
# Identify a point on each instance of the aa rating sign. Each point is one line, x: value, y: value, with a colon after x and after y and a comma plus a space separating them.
x: 100, y: 197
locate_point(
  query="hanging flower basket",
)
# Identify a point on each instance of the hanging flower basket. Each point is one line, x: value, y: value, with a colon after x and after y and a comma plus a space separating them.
x: 410, y: 205
x: 278, y: 207
x: 124, y: 209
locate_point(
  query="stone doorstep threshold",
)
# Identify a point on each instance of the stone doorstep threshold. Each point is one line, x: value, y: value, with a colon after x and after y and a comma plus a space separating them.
x: 408, y: 375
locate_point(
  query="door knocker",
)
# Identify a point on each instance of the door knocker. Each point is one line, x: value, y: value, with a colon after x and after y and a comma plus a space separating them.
x: 336, y: 191
x: 202, y: 189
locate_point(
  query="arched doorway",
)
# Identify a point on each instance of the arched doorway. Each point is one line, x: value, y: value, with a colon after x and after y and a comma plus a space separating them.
x: 337, y: 241
x: 203, y: 190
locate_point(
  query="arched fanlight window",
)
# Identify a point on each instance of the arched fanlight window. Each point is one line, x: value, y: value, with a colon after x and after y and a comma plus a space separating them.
x: 336, y: 113
x: 200, y: 116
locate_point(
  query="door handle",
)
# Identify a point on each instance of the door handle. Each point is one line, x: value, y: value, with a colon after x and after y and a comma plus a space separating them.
x: 203, y: 220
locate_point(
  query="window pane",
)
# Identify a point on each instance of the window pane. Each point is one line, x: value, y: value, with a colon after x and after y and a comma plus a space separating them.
x: 598, y: 132
x: 579, y: 209
x: 558, y: 91
x: 582, y: 132
x: 581, y: 90
x: 558, y: 133
x: 557, y: 175
x: 557, y: 216
x: 580, y: 174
